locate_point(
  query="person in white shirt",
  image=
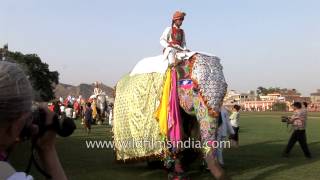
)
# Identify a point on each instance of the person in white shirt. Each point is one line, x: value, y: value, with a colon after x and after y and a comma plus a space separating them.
x: 173, y: 38
x: 62, y: 109
x: 110, y: 118
x: 234, y: 120
x: 69, y: 112
x: 61, y: 99
x: 224, y: 129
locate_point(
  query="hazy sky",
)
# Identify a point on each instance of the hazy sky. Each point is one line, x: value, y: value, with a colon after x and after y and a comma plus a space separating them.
x: 261, y: 43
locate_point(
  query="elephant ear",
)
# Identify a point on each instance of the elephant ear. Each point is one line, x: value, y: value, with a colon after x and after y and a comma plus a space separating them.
x: 207, y: 73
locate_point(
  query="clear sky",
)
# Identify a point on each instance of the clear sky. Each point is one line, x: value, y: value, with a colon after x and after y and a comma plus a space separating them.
x: 261, y: 42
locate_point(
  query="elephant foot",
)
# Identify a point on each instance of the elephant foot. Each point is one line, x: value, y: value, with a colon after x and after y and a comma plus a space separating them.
x: 178, y: 176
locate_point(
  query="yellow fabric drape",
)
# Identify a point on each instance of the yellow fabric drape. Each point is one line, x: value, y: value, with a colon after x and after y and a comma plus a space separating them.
x: 135, y: 128
x: 94, y: 110
x: 162, y: 112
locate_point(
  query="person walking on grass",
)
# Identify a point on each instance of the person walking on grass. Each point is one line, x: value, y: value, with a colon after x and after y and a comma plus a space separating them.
x: 88, y: 117
x: 298, y: 121
x: 224, y: 129
x: 234, y: 120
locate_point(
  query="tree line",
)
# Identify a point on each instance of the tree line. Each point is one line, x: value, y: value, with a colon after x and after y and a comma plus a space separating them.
x: 42, y: 79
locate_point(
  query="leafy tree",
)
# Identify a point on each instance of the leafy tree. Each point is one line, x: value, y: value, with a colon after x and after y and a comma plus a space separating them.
x: 42, y: 79
x: 280, y: 106
x: 264, y: 91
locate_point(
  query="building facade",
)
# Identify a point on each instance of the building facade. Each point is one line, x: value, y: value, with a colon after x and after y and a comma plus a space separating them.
x: 315, y: 97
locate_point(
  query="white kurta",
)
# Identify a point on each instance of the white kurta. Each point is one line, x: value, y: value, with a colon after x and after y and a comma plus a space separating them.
x: 176, y: 52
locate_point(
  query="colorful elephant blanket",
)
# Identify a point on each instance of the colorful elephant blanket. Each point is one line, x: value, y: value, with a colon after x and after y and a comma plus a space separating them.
x: 136, y: 131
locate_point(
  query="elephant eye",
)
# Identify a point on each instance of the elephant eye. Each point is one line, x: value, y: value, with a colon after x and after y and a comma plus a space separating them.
x: 195, y: 90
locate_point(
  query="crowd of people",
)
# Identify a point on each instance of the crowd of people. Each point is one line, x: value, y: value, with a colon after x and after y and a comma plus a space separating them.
x: 70, y: 106
x: 79, y: 108
x: 314, y: 107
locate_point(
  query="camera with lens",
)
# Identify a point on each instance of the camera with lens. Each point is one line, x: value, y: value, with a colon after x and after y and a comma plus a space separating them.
x: 63, y: 126
x: 285, y: 119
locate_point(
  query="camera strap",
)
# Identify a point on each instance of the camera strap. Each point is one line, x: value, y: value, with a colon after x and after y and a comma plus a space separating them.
x: 32, y: 160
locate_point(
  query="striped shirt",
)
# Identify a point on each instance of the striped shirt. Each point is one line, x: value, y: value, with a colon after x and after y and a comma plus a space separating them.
x: 299, y: 119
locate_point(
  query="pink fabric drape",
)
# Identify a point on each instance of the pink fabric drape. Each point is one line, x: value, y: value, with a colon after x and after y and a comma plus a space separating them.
x: 174, y: 119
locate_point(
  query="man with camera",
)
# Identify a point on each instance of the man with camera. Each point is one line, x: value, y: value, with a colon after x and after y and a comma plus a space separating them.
x: 17, y: 121
x: 298, y: 121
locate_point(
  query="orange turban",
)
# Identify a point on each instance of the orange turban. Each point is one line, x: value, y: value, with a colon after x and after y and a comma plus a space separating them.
x: 178, y: 15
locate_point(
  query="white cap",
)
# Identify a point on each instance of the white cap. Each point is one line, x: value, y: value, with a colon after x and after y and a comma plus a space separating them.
x: 15, y: 92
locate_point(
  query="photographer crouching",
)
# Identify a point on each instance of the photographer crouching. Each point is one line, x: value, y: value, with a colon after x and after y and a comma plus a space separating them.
x: 298, y: 121
x: 18, y: 122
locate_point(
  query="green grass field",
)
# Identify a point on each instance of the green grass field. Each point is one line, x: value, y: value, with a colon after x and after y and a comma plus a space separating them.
x: 262, y: 139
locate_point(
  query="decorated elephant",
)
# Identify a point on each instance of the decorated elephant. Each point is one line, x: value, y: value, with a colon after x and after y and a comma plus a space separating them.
x: 138, y: 132
x: 102, y: 108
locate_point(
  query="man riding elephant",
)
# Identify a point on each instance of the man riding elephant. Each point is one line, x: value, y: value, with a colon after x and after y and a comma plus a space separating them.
x: 97, y: 90
x: 174, y: 43
x: 173, y: 39
x: 99, y: 102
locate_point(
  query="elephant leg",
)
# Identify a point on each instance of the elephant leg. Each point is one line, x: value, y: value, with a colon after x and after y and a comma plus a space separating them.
x: 178, y: 172
x: 175, y: 167
x: 178, y: 166
x: 208, y: 135
x: 215, y: 167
